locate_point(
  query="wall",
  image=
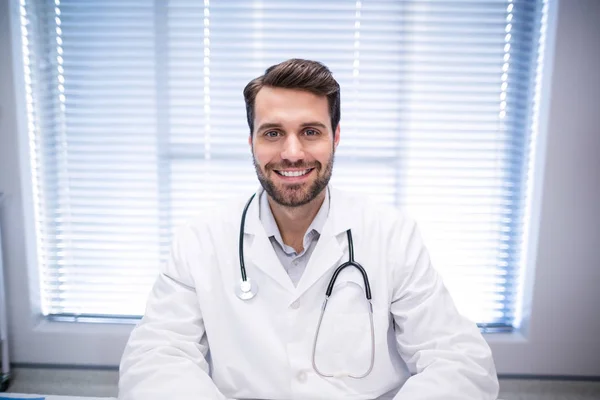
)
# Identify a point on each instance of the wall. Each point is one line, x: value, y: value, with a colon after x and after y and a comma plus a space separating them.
x: 561, y: 336
x: 563, y: 331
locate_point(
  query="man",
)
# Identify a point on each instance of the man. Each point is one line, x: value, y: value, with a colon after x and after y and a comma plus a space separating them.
x: 220, y: 324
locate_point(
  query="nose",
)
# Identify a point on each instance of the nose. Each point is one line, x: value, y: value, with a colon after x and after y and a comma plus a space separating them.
x: 292, y: 149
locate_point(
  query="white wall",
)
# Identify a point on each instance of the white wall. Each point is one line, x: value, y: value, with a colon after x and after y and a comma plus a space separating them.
x: 563, y: 333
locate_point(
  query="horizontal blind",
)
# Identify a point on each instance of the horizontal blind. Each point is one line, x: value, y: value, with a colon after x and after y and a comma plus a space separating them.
x: 137, y: 120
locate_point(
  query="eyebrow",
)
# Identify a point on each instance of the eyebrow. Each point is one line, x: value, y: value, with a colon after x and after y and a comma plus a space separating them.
x: 271, y: 125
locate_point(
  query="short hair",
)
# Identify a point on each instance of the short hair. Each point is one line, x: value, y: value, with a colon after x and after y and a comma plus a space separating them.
x: 295, y: 73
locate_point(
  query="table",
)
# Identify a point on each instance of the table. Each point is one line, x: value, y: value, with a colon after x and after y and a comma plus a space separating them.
x: 49, y: 397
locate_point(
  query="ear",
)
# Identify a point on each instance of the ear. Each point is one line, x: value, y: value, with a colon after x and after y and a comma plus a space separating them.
x: 336, y: 137
x: 250, y: 140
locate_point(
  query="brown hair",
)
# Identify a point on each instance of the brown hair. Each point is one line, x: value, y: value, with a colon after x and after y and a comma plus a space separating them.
x: 295, y: 73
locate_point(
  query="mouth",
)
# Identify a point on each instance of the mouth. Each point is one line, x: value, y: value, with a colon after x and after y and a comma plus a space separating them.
x: 293, y: 174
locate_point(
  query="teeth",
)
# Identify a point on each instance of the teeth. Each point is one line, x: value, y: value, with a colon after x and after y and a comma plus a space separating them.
x: 294, y: 173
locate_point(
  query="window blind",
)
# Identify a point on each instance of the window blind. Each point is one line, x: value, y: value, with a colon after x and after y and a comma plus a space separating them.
x: 136, y: 119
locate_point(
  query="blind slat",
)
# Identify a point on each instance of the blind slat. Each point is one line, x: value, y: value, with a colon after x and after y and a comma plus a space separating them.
x: 134, y: 126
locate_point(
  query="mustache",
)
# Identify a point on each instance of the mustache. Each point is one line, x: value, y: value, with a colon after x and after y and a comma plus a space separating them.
x: 288, y: 164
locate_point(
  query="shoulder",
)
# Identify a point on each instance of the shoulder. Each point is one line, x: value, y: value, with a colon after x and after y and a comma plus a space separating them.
x: 219, y: 212
x: 221, y: 216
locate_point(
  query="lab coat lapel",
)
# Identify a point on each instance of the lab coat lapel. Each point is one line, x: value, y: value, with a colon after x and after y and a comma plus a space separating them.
x: 259, y: 252
x: 331, y: 246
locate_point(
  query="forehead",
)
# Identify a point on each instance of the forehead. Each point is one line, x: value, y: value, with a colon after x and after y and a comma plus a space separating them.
x: 289, y: 105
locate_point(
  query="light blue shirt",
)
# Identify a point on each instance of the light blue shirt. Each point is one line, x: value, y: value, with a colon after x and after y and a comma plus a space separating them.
x: 293, y: 263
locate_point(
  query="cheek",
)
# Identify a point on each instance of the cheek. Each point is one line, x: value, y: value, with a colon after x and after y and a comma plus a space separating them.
x: 264, y: 155
x: 323, y: 154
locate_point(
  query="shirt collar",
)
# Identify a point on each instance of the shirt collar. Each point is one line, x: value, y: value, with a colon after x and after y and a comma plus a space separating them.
x: 271, y: 229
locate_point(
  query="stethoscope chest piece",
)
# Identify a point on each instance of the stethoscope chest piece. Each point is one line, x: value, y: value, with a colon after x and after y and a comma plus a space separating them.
x: 246, y: 289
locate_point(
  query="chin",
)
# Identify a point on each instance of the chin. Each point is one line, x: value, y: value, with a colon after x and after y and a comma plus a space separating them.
x: 291, y: 198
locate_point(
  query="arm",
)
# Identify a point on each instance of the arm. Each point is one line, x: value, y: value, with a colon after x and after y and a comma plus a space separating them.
x: 165, y: 355
x: 445, y: 351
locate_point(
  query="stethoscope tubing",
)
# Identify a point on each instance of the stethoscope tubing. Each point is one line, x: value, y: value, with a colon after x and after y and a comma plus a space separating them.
x: 241, y: 241
x: 248, y: 289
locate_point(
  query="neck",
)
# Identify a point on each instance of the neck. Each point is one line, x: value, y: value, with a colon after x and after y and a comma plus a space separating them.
x: 294, y: 221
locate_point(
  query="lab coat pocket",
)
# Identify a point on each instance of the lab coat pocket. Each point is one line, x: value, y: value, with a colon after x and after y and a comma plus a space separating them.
x: 344, y: 341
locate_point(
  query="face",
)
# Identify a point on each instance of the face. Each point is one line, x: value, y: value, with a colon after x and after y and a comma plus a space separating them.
x: 293, y: 144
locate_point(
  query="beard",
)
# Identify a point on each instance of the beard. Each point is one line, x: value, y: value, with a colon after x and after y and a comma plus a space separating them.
x: 295, y: 195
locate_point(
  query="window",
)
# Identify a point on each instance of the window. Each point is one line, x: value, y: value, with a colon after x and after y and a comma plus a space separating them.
x: 136, y: 119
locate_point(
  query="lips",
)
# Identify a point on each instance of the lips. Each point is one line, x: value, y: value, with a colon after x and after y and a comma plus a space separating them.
x: 293, y: 173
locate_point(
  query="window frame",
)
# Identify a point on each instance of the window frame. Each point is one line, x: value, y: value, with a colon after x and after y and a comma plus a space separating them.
x: 37, y: 340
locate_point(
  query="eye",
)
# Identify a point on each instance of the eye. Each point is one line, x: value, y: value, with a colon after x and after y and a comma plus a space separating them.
x: 311, y: 132
x: 271, y: 134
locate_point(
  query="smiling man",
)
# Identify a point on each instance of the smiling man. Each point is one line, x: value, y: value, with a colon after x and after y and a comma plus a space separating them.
x: 302, y: 291
x: 302, y: 164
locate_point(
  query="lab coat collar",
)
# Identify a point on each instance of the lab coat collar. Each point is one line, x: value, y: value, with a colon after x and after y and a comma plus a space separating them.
x: 315, y: 228
x: 261, y: 253
x: 327, y: 253
x: 336, y: 221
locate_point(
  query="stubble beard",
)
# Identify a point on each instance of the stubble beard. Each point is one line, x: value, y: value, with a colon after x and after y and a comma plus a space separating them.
x: 293, y: 195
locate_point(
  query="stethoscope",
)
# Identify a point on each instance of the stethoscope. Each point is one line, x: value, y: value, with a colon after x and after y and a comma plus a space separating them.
x: 247, y: 289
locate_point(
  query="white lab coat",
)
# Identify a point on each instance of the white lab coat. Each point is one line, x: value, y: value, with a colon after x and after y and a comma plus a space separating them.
x: 197, y: 340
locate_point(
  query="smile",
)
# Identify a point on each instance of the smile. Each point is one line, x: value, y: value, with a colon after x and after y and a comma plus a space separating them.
x: 294, y: 173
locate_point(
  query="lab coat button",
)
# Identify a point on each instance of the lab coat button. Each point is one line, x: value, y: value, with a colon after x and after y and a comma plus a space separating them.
x: 295, y: 304
x: 301, y: 376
